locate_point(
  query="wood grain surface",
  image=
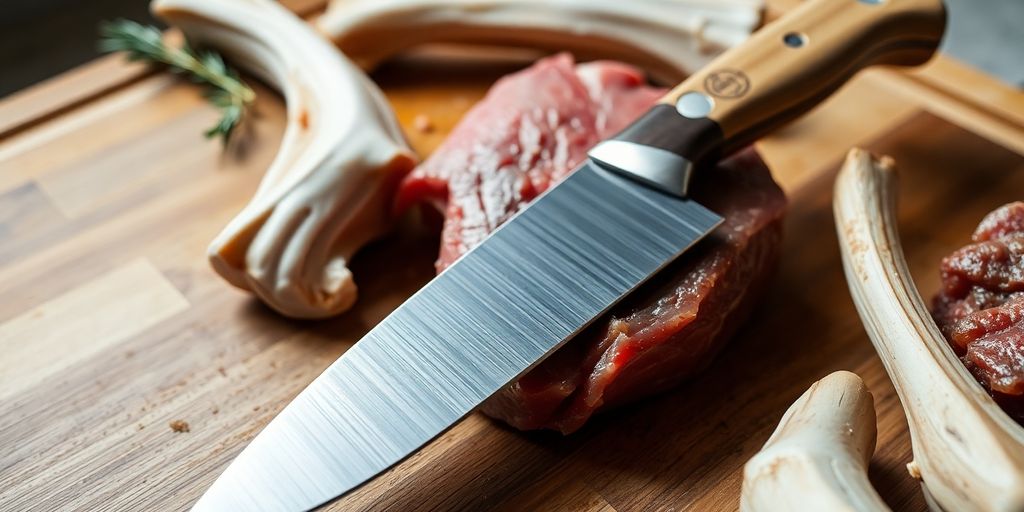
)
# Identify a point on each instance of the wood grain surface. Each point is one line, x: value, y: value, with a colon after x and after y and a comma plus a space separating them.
x: 112, y: 325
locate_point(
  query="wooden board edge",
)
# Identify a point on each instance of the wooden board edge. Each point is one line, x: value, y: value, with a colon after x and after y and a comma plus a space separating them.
x: 972, y: 86
x: 91, y: 81
x: 966, y: 97
x: 67, y: 91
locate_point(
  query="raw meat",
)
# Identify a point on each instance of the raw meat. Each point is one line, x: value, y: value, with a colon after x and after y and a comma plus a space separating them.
x: 980, y: 309
x: 673, y: 326
x: 529, y: 132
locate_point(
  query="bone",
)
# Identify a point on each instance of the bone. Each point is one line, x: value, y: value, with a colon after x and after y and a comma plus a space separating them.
x: 817, y: 458
x: 328, y: 190
x: 669, y: 38
x: 968, y: 453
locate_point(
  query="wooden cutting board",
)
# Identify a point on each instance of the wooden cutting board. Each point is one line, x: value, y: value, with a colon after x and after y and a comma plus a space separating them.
x: 112, y: 324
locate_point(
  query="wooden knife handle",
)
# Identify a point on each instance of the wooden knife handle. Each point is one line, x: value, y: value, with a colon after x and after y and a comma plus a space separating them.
x: 782, y: 71
x: 791, y: 64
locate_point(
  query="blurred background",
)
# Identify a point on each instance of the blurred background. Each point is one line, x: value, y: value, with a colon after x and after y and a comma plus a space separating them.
x: 41, y: 38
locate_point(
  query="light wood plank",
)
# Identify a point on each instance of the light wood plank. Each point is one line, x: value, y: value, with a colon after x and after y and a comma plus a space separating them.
x: 24, y: 211
x: 82, y: 322
x: 95, y: 128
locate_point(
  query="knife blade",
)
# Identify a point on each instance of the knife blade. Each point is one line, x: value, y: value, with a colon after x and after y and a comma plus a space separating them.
x: 510, y: 301
x: 560, y: 263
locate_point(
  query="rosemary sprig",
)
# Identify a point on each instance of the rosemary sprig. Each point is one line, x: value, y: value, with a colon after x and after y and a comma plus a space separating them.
x: 144, y: 43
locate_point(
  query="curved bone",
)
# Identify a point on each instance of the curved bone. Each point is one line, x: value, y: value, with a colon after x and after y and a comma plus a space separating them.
x: 969, y: 453
x: 670, y: 38
x: 329, y: 188
x: 817, y: 458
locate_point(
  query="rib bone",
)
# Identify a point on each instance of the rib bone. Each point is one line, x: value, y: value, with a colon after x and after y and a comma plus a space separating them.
x: 969, y: 453
x: 818, y: 457
x: 329, y: 188
x: 670, y: 38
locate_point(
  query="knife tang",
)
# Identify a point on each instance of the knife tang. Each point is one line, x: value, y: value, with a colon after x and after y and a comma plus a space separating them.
x: 780, y: 73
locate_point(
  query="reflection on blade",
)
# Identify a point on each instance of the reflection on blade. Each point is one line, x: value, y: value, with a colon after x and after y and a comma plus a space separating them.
x: 499, y: 310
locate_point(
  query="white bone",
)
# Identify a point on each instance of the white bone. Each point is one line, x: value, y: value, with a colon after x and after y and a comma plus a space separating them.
x: 670, y: 38
x: 329, y: 189
x: 817, y: 459
x: 969, y: 452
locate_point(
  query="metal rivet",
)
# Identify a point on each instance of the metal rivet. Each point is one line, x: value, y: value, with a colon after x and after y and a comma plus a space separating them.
x: 794, y: 39
x: 695, y: 105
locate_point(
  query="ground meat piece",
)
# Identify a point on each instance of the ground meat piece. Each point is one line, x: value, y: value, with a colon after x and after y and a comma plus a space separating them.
x: 980, y: 309
x: 528, y: 133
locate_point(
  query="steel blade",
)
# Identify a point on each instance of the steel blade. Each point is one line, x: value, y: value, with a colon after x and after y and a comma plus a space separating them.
x: 497, y: 312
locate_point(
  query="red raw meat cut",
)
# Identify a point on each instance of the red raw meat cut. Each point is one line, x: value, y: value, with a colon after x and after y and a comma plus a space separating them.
x: 529, y: 132
x: 980, y: 309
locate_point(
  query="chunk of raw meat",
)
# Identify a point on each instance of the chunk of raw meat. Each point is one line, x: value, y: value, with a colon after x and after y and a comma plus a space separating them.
x: 531, y: 130
x: 980, y: 309
x: 670, y: 328
x: 528, y: 133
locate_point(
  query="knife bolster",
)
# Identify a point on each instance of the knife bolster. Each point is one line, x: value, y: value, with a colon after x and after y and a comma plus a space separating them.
x: 661, y: 149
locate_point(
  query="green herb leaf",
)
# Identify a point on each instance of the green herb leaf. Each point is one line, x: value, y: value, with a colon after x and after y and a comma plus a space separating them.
x: 145, y: 43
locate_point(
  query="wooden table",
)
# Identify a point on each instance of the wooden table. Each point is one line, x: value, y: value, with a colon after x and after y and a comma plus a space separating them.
x: 112, y: 325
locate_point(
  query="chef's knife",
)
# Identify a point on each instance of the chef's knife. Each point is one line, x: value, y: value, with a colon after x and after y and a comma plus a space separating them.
x: 560, y: 263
